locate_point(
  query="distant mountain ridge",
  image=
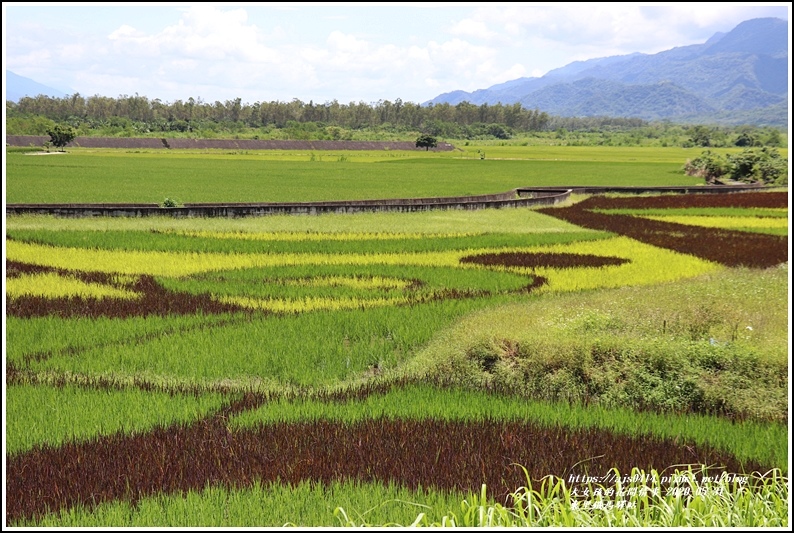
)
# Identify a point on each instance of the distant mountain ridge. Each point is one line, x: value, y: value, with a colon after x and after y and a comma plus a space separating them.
x: 18, y: 87
x: 744, y: 70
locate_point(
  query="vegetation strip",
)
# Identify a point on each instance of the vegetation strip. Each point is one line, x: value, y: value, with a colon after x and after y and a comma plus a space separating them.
x: 697, y: 499
x: 444, y: 455
x: 51, y: 285
x: 742, y: 223
x: 43, y: 415
x: 550, y: 260
x: 153, y: 300
x: 760, y: 199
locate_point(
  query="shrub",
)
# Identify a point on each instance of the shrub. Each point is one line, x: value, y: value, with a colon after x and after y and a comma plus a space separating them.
x: 169, y: 202
x: 709, y: 166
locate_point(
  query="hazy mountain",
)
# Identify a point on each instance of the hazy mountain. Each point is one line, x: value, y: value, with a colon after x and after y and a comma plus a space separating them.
x: 745, y: 70
x: 593, y: 97
x: 18, y: 86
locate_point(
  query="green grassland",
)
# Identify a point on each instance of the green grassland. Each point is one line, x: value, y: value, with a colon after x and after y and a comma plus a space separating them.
x: 380, y: 309
x: 96, y: 176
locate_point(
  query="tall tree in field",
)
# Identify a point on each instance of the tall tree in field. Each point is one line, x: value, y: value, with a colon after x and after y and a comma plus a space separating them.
x: 61, y: 135
x: 426, y: 141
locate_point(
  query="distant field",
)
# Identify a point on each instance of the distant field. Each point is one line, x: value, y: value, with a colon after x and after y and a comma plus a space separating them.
x: 189, y: 176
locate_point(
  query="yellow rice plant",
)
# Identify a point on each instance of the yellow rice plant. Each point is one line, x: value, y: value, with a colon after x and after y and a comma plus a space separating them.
x: 177, y: 264
x: 50, y: 285
x: 316, y: 236
x: 302, y: 305
x: 725, y: 222
x: 353, y: 282
x: 647, y: 265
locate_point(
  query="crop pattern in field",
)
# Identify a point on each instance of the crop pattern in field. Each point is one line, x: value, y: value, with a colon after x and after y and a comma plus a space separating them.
x: 724, y: 246
x: 219, y: 330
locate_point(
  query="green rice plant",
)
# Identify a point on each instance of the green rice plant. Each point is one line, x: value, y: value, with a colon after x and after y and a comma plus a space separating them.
x: 309, y: 349
x: 191, y: 177
x: 287, y: 242
x: 317, y: 236
x: 761, y: 212
x: 521, y: 221
x: 39, y: 415
x: 292, y: 288
x: 644, y: 266
x: 42, y: 337
x: 305, y: 504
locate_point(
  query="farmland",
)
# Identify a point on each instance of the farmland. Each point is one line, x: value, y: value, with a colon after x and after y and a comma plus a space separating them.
x: 365, y: 369
x: 188, y: 176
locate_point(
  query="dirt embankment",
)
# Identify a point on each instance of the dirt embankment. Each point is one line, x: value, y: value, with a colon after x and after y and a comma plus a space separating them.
x: 222, y: 144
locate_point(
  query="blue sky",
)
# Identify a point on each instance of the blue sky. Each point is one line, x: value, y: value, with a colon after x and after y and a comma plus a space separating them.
x: 336, y: 51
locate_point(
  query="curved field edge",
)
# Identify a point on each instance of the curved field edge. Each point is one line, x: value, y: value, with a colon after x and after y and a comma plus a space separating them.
x: 550, y: 503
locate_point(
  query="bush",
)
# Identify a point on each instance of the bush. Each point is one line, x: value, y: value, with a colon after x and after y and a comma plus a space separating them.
x: 752, y: 165
x: 709, y: 166
x: 169, y: 202
x: 762, y: 165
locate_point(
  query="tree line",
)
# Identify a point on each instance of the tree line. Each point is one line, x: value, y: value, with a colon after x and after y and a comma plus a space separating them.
x: 139, y: 116
x: 182, y: 115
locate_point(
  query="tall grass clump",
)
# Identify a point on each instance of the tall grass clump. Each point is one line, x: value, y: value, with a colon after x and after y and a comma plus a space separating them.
x: 638, y: 499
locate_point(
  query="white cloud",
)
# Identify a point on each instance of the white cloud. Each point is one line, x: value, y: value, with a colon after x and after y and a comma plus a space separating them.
x: 269, y: 53
x: 472, y: 28
x: 125, y: 32
x: 203, y: 32
x: 632, y: 27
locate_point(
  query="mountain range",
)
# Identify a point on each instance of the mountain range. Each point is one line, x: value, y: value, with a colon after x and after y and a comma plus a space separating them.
x: 736, y: 77
x: 19, y: 86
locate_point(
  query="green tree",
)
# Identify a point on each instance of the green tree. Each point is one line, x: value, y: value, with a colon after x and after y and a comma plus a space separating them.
x: 426, y: 141
x: 700, y: 136
x: 761, y: 165
x: 746, y: 139
x: 61, y: 135
x: 773, y: 138
x: 709, y: 166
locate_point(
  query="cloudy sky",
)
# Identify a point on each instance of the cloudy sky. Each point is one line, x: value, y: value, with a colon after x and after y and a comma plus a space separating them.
x: 344, y: 51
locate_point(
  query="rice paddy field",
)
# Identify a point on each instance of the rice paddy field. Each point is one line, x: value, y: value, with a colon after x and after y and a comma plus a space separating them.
x: 83, y: 175
x: 613, y: 361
